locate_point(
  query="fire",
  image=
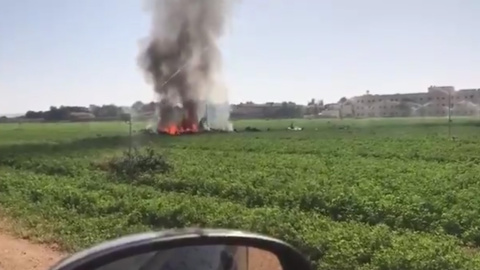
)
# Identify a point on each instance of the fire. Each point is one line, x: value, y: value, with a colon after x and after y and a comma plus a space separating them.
x: 179, y: 120
x: 184, y: 127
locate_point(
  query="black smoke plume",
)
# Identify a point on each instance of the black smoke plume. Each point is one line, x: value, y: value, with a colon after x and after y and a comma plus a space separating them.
x: 183, y: 61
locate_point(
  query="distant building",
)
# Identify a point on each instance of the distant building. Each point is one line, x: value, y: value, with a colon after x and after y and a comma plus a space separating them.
x: 434, y: 102
x: 251, y: 110
x: 331, y: 110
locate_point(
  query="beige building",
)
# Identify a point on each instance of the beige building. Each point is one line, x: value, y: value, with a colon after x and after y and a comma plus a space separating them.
x: 267, y: 110
x: 434, y: 102
x: 253, y: 110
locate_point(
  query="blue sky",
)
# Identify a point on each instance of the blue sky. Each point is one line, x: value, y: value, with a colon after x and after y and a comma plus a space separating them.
x: 69, y: 52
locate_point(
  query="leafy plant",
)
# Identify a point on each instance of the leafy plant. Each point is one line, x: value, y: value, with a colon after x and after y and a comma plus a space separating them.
x: 135, y: 163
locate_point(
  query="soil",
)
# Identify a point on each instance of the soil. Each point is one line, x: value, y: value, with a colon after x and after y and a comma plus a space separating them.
x: 21, y: 254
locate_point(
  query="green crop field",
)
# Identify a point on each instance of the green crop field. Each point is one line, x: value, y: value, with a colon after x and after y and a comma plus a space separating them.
x: 353, y: 194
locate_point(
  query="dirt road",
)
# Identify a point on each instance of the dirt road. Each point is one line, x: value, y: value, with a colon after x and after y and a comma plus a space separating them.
x: 20, y: 254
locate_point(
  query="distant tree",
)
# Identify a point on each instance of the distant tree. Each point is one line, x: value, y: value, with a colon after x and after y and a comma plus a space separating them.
x: 404, y: 109
x: 64, y: 113
x: 34, y: 115
x: 148, y: 108
x: 57, y: 114
x: 76, y: 109
x: 287, y: 110
x: 109, y: 111
x: 137, y: 106
x: 126, y: 117
x: 343, y: 100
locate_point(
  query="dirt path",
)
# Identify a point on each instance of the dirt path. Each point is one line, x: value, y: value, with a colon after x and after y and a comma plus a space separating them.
x: 17, y: 253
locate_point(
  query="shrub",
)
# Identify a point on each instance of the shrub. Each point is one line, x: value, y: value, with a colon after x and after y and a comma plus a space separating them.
x: 133, y: 164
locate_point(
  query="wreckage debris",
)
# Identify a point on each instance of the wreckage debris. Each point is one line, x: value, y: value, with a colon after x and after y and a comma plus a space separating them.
x: 295, y: 128
x: 252, y: 129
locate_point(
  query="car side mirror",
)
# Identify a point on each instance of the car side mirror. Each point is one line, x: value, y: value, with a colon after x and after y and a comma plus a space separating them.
x: 189, y: 249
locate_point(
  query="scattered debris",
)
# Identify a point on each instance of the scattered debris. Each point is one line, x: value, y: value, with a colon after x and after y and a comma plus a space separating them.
x: 294, y: 128
x: 147, y: 131
x: 252, y: 129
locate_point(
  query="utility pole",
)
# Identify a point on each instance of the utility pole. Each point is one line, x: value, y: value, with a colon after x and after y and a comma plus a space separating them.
x: 206, y: 124
x: 449, y: 114
x: 128, y: 120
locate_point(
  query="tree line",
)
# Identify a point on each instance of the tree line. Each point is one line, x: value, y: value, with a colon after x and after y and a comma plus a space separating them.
x: 114, y: 112
x: 68, y: 113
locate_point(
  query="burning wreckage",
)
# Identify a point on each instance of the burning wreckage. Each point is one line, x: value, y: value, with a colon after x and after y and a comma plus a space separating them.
x: 181, y: 119
x: 182, y: 60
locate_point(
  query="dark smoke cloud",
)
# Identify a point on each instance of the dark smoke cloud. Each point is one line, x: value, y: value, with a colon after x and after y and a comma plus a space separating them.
x: 182, y: 59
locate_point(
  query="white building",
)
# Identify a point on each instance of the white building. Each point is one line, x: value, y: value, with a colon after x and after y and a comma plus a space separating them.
x: 434, y: 102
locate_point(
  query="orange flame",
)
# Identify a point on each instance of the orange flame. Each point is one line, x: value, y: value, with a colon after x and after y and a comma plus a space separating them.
x: 188, y: 124
x: 185, y: 126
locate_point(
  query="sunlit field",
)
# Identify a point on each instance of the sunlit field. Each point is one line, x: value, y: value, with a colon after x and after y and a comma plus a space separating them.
x: 351, y: 194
